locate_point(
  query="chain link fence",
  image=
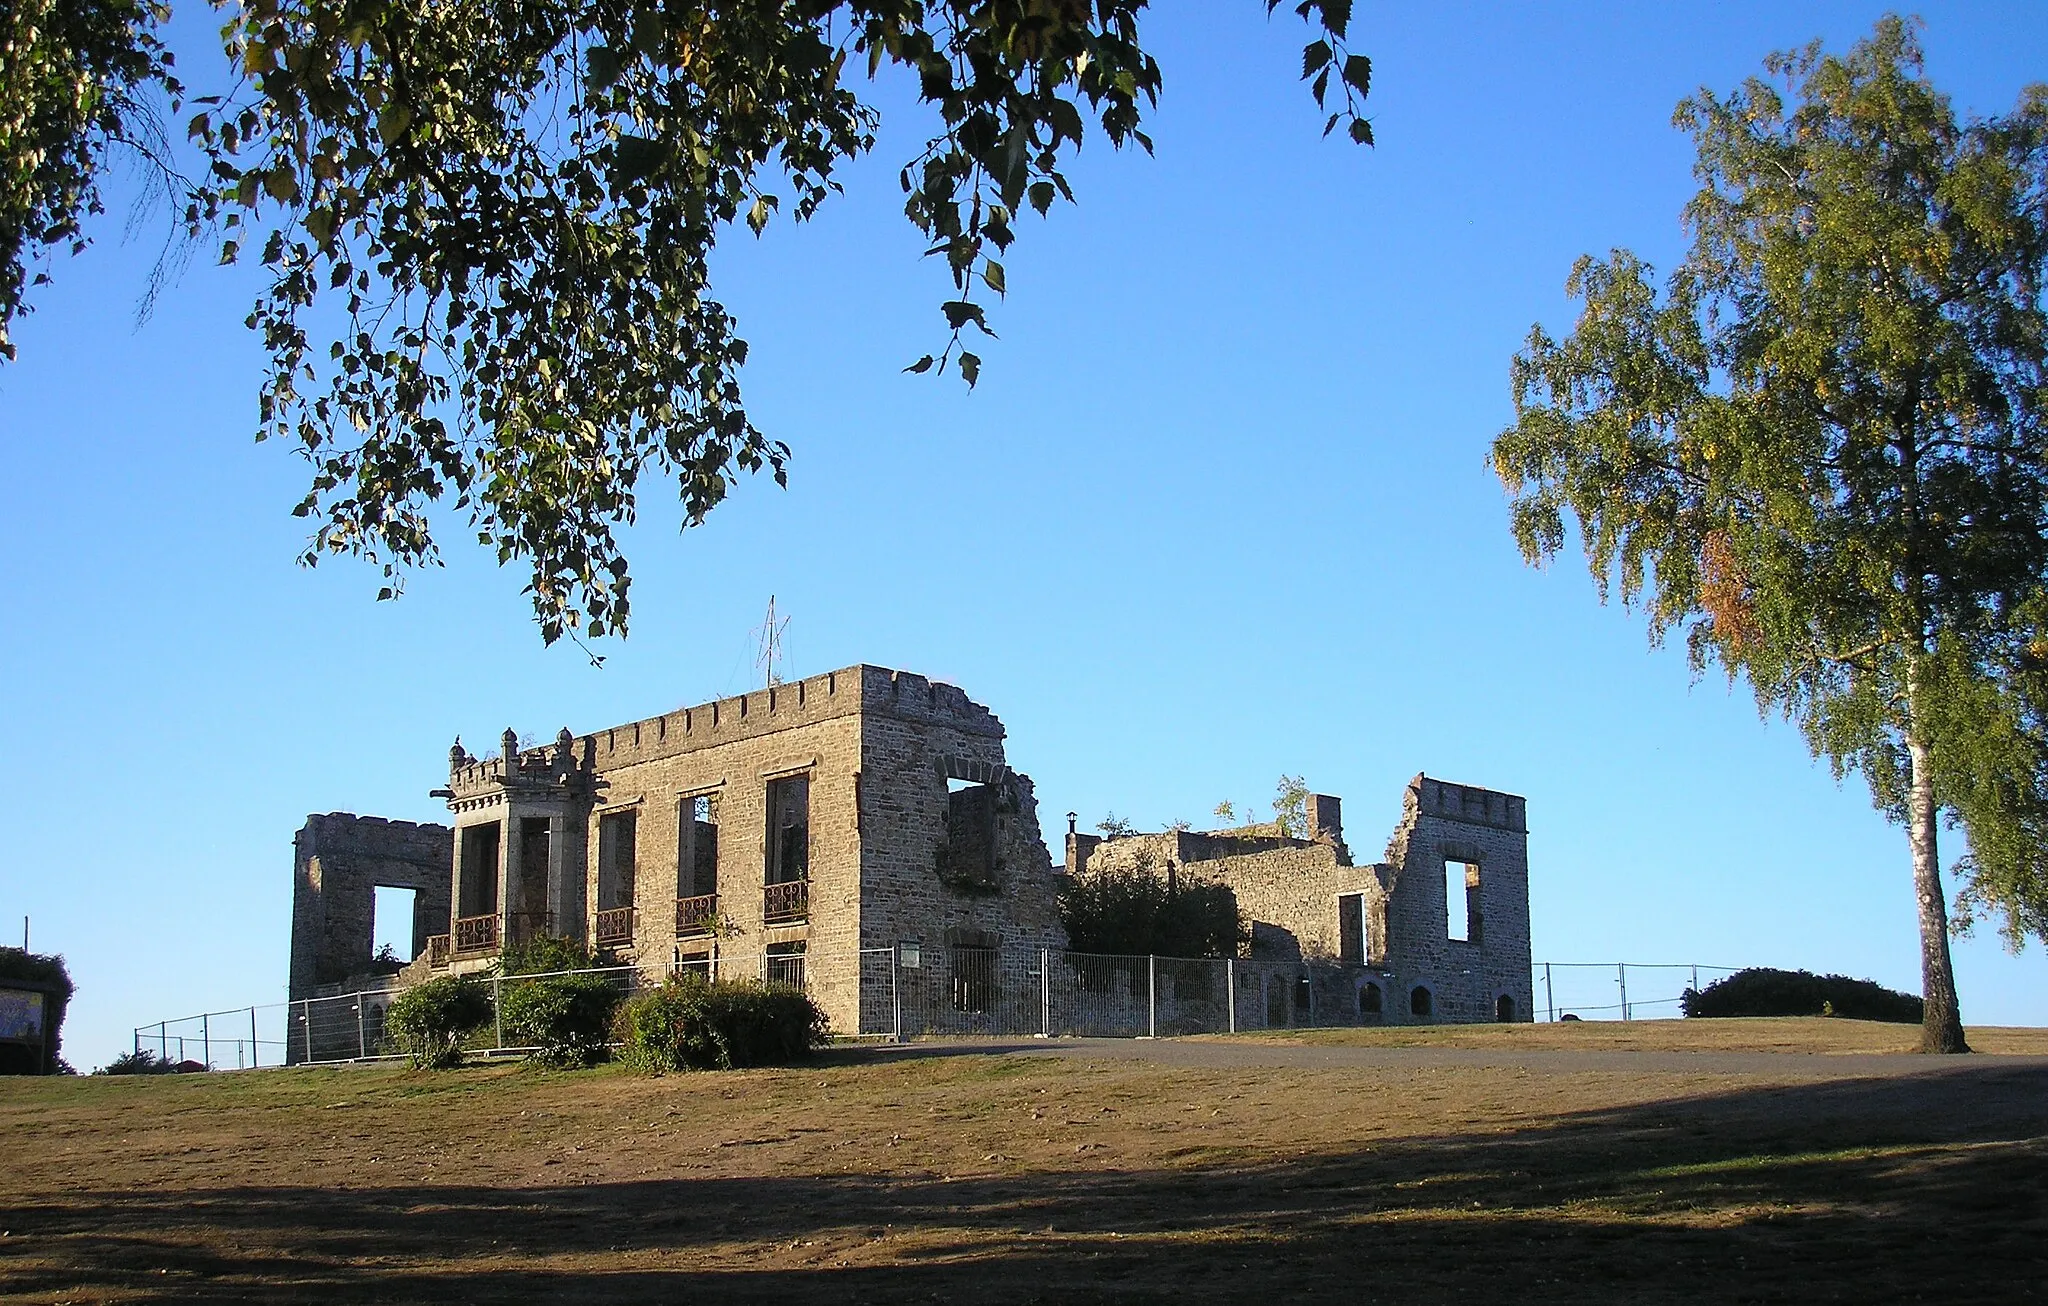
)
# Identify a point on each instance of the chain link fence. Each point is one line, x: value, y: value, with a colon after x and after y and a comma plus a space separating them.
x: 910, y: 992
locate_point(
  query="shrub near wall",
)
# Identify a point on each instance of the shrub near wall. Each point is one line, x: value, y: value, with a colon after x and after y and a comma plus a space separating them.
x: 1761, y: 991
x: 691, y: 1024
x: 428, y: 1021
x: 566, y: 1019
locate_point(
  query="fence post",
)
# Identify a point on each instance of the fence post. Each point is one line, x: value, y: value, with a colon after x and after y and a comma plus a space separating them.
x: 307, y: 1015
x: 1045, y: 993
x: 1549, y: 995
x: 255, y: 1048
x: 138, y: 1042
x: 1151, y: 996
x: 497, y: 1013
x: 1621, y: 971
x: 1695, y: 980
x: 1230, y: 989
x: 362, y: 1045
x: 895, y: 993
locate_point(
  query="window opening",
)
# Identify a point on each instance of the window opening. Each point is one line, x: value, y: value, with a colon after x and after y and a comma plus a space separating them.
x: 789, y: 829
x: 1351, y: 945
x: 617, y: 858
x: 530, y: 891
x: 969, y: 856
x: 783, y: 963
x: 974, y: 978
x: 1371, y: 1002
x: 479, y: 870
x: 1504, y: 1009
x: 392, y: 926
x: 697, y: 859
x: 1461, y: 900
x: 1419, y: 1002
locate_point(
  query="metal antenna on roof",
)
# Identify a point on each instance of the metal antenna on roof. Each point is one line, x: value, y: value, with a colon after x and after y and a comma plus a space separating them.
x: 769, y: 659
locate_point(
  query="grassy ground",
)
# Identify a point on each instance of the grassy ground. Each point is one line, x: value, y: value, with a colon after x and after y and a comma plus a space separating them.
x: 968, y: 1174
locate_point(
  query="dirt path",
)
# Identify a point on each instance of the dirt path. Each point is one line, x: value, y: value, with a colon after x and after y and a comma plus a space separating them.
x: 1323, y: 1168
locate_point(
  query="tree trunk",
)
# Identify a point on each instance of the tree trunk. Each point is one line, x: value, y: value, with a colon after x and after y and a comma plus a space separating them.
x: 1941, y: 1025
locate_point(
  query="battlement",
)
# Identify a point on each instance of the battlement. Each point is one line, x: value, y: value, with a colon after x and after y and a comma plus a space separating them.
x: 1468, y: 803
x: 376, y: 836
x: 843, y: 693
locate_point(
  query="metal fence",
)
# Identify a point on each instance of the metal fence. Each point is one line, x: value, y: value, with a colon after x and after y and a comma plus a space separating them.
x: 909, y: 992
x: 343, y: 1027
x: 1618, y: 990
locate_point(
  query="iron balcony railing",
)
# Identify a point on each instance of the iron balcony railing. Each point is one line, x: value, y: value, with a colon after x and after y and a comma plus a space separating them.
x: 476, y: 933
x: 783, y: 904
x: 696, y: 915
x: 438, y: 948
x: 615, y: 925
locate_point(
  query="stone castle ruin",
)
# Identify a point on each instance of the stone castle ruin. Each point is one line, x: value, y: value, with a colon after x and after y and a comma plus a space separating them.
x: 806, y: 831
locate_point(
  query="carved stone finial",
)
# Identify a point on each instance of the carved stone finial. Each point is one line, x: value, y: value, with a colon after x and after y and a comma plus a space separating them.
x: 458, y: 756
x: 510, y: 740
x: 565, y: 747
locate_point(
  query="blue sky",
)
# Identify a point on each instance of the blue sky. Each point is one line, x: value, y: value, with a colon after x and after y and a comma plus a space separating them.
x: 1218, y: 510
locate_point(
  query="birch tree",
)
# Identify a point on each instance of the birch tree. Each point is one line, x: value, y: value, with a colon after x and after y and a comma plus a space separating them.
x: 1818, y: 451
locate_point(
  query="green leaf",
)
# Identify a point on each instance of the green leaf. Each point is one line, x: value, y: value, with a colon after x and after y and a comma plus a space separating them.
x: 1315, y: 55
x: 922, y: 365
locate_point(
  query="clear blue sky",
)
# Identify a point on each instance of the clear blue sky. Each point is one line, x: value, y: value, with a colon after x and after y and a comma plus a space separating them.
x: 1218, y: 510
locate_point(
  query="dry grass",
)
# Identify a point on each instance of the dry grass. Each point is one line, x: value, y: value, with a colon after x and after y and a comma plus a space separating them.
x: 955, y: 1174
x: 1804, y: 1035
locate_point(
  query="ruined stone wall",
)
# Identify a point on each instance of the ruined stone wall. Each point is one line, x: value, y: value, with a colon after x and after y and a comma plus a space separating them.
x: 916, y: 736
x: 339, y: 860
x: 1442, y: 821
x: 1294, y: 889
x: 878, y: 748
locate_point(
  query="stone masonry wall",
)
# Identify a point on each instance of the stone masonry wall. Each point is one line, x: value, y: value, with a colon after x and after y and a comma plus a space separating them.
x: 738, y: 771
x: 1442, y: 821
x: 915, y: 738
x: 338, y: 863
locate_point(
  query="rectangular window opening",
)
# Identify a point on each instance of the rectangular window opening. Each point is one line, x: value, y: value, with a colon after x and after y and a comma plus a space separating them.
x: 789, y: 829
x: 1352, y: 946
x: 697, y: 850
x: 969, y: 856
x: 1461, y: 900
x: 479, y: 871
x: 617, y: 858
x: 392, y: 930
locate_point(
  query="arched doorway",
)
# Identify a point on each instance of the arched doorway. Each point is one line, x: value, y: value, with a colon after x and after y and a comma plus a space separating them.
x: 1504, y: 1009
x: 1371, y: 1002
x: 1419, y: 1003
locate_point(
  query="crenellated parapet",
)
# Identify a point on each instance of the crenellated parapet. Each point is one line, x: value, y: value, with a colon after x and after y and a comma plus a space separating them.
x: 1468, y: 803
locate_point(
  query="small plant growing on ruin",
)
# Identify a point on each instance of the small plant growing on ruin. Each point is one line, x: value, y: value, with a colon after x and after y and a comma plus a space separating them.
x: 690, y: 1023
x: 1115, y: 827
x: 566, y: 1019
x: 428, y: 1021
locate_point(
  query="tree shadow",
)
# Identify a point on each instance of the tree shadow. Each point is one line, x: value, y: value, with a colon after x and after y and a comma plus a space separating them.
x: 1899, y: 1188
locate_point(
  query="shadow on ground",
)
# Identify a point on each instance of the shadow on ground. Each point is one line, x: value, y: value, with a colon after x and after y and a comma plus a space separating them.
x: 1930, y: 1187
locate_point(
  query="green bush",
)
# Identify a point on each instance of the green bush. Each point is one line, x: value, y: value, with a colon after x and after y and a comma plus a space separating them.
x: 545, y: 954
x: 1135, y: 911
x: 1761, y: 991
x: 139, y: 1062
x: 691, y: 1024
x: 427, y: 1022
x: 47, y: 972
x: 567, y: 1019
